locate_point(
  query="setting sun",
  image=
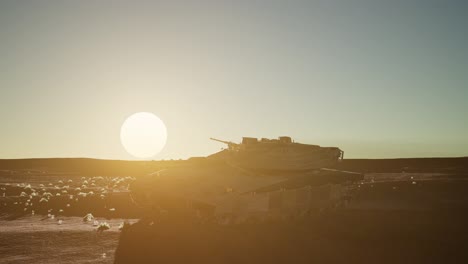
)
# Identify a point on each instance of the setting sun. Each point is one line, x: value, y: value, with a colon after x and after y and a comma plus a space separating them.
x: 143, y: 135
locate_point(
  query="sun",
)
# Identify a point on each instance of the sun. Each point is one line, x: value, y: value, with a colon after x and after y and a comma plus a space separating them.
x: 143, y: 135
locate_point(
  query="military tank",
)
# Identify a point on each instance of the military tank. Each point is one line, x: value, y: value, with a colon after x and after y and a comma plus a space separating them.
x: 282, y: 155
x: 241, y: 168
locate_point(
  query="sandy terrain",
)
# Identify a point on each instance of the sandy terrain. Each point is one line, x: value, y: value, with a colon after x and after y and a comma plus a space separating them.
x: 40, y: 239
x: 30, y: 231
x: 398, y: 207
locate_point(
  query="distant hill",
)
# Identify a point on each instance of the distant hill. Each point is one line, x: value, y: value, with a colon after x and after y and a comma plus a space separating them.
x: 84, y: 166
x: 96, y: 167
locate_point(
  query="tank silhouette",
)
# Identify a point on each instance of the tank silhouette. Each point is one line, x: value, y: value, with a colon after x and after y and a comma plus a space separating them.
x: 280, y: 155
x: 244, y: 167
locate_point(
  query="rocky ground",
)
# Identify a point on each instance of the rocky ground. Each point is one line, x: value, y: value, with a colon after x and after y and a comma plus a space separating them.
x: 42, y: 217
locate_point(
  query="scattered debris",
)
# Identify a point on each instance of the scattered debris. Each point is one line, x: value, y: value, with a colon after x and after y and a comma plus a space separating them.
x: 102, y: 227
x: 88, y: 218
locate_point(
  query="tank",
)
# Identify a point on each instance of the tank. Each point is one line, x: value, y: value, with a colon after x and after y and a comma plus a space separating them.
x: 279, y: 155
x: 241, y: 168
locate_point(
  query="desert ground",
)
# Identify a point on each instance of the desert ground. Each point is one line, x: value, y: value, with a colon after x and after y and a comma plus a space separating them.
x: 41, y: 217
x: 404, y: 211
x: 37, y: 239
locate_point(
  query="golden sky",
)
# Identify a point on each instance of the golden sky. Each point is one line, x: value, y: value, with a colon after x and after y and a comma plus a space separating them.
x: 376, y: 80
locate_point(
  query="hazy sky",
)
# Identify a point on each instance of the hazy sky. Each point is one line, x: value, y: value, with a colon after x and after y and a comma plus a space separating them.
x: 375, y: 79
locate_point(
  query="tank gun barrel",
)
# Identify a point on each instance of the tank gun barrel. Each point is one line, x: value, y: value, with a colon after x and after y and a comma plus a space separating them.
x: 230, y: 144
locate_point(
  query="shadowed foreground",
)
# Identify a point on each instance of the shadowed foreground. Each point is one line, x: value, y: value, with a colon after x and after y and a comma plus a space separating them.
x: 335, y: 237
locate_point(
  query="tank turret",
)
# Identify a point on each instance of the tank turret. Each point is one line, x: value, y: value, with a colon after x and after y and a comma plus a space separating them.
x: 278, y: 155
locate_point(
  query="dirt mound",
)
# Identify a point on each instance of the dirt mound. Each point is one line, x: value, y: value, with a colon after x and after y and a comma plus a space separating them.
x: 340, y: 237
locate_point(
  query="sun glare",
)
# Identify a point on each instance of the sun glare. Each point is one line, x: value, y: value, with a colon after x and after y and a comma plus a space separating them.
x: 143, y: 135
